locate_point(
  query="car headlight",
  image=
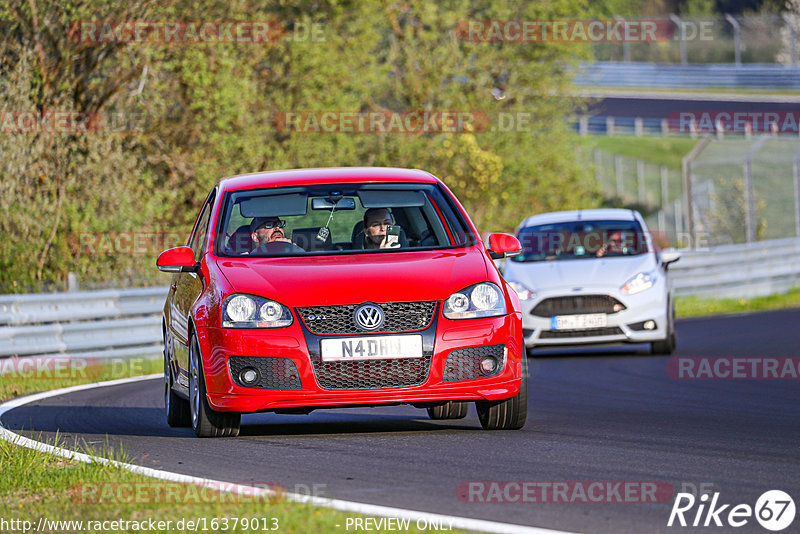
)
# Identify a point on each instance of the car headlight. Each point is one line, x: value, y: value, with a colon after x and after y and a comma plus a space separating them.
x: 247, y: 311
x: 639, y: 283
x: 481, y: 300
x: 523, y: 292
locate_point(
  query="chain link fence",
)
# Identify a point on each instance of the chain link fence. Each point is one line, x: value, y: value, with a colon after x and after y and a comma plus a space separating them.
x: 721, y: 39
x: 743, y: 190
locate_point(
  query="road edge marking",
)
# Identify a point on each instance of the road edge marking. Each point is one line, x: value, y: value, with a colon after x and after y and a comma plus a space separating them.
x: 336, y: 504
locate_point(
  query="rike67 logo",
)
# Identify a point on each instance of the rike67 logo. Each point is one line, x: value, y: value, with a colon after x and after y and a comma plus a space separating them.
x: 774, y: 510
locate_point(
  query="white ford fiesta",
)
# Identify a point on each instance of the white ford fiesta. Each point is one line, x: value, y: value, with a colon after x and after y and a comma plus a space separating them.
x: 590, y: 277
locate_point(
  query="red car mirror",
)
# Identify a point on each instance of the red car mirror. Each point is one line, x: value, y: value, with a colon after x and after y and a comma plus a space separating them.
x: 177, y: 260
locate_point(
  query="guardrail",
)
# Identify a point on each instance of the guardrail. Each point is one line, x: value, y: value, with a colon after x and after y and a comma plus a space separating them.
x: 89, y: 324
x: 123, y: 323
x: 742, y: 271
x: 711, y: 75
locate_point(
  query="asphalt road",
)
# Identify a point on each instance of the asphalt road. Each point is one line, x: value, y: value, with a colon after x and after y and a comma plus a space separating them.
x: 596, y: 415
x: 662, y: 107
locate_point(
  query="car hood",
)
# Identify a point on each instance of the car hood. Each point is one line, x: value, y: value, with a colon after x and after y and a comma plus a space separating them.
x: 356, y: 278
x: 605, y: 272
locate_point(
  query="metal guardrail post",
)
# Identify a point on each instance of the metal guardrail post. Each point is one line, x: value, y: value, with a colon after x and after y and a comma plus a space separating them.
x: 640, y: 179
x: 686, y: 170
x: 792, y: 36
x: 583, y: 125
x: 626, y: 45
x: 749, y: 195
x: 737, y: 42
x: 684, y: 54
x: 618, y: 175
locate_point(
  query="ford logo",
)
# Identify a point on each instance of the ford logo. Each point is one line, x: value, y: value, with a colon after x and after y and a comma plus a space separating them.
x: 369, y: 317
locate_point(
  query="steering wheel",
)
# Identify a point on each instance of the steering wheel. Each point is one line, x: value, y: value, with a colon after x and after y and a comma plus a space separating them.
x: 275, y: 247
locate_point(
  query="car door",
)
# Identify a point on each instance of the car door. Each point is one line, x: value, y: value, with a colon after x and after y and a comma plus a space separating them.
x: 187, y: 288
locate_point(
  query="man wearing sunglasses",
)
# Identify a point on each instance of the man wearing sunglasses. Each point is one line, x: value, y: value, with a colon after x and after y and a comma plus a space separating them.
x: 267, y: 230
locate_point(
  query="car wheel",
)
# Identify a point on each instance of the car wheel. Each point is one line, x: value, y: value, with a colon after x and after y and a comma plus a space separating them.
x: 668, y: 344
x: 506, y: 414
x: 449, y: 410
x: 176, y: 408
x: 206, y: 422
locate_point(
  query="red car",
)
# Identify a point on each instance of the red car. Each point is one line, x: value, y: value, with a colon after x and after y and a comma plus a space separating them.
x: 331, y: 288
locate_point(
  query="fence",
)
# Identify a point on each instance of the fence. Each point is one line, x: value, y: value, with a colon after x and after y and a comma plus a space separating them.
x: 741, y: 189
x: 715, y: 39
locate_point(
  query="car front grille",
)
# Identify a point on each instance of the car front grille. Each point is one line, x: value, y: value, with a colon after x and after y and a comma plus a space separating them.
x: 589, y: 332
x: 465, y: 364
x: 372, y: 374
x: 273, y: 373
x: 577, y: 304
x: 400, y: 317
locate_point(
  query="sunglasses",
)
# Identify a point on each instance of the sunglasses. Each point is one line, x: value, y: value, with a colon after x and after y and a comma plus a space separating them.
x: 270, y: 225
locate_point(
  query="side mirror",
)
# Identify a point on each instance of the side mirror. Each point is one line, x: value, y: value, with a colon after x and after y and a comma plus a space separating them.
x: 177, y: 260
x: 670, y: 256
x: 503, y: 246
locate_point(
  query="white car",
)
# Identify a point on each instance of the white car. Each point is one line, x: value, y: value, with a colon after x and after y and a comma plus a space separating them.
x: 591, y: 277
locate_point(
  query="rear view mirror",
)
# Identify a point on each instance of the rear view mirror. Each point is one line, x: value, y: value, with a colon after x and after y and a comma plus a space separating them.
x: 325, y: 203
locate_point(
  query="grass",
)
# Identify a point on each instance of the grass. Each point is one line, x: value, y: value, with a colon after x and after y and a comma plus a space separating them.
x: 698, y: 307
x: 36, y: 485
x: 666, y: 151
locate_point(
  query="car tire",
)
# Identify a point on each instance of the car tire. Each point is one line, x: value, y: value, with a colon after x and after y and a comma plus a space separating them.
x: 206, y: 422
x: 176, y: 408
x: 449, y: 410
x: 506, y: 414
x: 667, y: 345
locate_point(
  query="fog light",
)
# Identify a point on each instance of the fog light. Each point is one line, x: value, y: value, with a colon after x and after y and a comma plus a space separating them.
x: 649, y: 325
x: 488, y: 365
x: 248, y: 375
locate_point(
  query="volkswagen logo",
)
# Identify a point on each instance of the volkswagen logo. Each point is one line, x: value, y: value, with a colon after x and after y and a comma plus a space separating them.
x: 369, y: 316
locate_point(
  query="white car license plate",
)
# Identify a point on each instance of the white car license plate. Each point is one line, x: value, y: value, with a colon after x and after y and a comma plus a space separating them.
x: 578, y: 322
x: 371, y: 348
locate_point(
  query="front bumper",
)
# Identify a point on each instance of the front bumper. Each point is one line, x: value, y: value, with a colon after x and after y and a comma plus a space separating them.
x: 218, y: 345
x: 625, y: 326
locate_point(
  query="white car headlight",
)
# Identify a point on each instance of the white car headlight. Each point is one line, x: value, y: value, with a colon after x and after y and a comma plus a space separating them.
x: 639, y: 283
x: 247, y: 311
x: 523, y: 292
x: 481, y: 300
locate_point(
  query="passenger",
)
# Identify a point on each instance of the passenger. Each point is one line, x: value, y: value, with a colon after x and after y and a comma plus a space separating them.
x: 614, y: 245
x: 376, y: 221
x: 268, y: 233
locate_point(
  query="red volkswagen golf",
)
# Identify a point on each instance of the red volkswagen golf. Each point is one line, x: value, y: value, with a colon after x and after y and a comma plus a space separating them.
x: 331, y: 288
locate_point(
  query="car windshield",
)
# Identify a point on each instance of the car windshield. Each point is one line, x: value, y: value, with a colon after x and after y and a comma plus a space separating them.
x: 576, y: 240
x: 329, y: 219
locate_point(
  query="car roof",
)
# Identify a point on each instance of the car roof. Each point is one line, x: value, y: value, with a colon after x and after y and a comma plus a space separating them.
x: 295, y: 177
x: 614, y: 214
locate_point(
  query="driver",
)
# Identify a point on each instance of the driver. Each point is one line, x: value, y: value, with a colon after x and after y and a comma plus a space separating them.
x: 264, y: 231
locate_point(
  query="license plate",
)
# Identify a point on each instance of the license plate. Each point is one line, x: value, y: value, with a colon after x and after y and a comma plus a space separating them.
x: 578, y: 322
x: 371, y: 348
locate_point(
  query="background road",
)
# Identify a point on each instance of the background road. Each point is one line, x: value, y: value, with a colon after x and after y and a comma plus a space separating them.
x: 610, y: 414
x: 663, y: 107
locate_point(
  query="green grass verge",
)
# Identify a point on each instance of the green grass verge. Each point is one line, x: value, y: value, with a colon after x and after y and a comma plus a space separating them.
x: 697, y: 307
x: 666, y: 151
x: 36, y: 485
